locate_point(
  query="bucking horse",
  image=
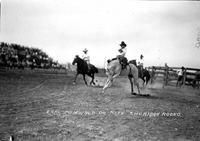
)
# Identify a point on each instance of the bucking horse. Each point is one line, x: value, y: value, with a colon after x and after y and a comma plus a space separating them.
x: 114, y: 69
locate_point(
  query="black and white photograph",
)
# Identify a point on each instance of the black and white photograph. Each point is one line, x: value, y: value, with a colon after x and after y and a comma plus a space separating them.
x: 99, y: 70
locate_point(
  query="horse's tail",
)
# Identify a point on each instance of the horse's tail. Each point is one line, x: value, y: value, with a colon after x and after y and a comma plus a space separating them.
x: 96, y: 70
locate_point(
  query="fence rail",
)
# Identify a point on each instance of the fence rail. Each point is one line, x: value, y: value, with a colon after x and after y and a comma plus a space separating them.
x: 170, y: 73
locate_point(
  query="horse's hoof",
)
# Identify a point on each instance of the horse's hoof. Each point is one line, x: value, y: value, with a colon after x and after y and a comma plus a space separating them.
x: 134, y: 93
x: 146, y: 94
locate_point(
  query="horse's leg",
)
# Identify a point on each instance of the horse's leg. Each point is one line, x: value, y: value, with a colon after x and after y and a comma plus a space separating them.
x: 131, y: 81
x: 93, y: 79
x: 137, y: 84
x: 90, y: 75
x: 108, y: 83
x: 147, y: 80
x: 75, y: 78
x: 143, y: 81
x: 84, y: 79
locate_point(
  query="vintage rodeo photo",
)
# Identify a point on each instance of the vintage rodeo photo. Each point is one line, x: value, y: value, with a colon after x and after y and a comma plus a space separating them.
x: 99, y: 70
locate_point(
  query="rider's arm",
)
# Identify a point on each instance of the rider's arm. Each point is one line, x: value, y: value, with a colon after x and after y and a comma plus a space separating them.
x: 123, y: 53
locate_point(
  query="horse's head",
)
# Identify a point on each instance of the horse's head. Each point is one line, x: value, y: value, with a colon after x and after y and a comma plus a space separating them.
x: 133, y: 62
x: 76, y: 59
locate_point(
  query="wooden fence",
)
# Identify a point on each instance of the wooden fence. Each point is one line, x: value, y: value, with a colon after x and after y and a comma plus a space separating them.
x: 170, y: 74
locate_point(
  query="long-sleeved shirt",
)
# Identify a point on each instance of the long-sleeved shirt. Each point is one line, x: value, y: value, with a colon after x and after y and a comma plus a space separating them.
x: 141, y: 62
x: 123, y: 51
x: 86, y: 57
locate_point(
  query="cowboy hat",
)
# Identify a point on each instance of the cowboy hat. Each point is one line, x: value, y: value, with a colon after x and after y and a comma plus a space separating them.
x: 182, y: 68
x: 122, y: 44
x: 85, y: 50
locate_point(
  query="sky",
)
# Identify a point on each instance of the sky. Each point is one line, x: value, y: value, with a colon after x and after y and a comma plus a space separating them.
x: 163, y: 31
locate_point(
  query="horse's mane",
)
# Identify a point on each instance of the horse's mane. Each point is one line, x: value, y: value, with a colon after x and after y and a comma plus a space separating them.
x: 113, y: 63
x: 81, y: 62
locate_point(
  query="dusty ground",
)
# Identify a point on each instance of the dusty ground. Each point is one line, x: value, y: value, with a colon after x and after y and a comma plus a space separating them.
x: 49, y: 107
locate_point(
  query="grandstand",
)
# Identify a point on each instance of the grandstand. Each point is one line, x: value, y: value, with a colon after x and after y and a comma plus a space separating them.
x: 20, y: 57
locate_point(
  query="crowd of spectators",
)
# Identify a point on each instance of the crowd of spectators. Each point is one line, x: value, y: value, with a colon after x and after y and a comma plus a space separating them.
x: 17, y: 56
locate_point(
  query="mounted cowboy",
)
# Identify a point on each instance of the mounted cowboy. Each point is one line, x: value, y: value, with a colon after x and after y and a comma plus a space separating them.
x: 141, y: 61
x: 121, y: 57
x: 141, y: 64
x: 115, y: 67
x: 86, y: 57
x: 123, y: 60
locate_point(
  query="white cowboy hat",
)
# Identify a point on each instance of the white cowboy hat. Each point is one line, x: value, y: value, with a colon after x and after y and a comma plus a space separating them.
x: 85, y: 50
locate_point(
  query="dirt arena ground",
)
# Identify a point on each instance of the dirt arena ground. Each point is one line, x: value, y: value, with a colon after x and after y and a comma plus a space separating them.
x: 48, y: 107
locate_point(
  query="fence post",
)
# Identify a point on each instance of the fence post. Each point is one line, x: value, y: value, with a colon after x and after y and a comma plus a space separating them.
x: 166, y: 77
x: 184, y: 76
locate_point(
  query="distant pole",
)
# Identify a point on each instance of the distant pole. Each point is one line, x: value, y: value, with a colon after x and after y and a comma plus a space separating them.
x: 164, y: 78
x: 166, y: 75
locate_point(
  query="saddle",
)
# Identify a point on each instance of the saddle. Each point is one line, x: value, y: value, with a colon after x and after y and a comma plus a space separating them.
x: 122, y: 60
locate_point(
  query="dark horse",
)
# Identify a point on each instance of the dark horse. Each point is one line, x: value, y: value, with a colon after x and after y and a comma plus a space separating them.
x: 143, y: 73
x: 82, y: 68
